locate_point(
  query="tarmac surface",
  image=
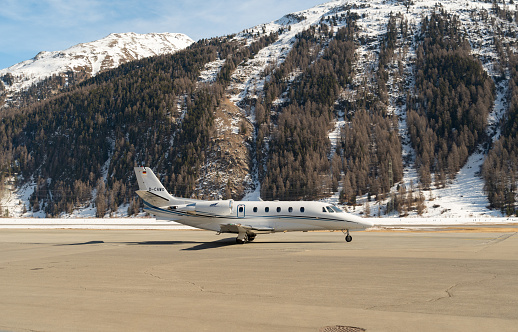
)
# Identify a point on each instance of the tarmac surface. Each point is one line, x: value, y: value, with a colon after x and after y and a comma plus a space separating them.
x: 186, y: 280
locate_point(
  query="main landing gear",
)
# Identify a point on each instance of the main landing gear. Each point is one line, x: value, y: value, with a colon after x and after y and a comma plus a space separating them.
x: 348, y: 237
x: 243, y: 238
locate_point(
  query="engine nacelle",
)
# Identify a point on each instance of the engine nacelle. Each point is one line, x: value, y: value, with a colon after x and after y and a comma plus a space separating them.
x: 222, y: 208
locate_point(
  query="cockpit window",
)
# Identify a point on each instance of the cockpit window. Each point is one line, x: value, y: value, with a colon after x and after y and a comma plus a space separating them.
x: 329, y: 209
x: 337, y: 209
x: 323, y: 209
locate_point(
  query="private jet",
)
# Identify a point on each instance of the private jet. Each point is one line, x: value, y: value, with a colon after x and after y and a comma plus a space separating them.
x: 244, y: 218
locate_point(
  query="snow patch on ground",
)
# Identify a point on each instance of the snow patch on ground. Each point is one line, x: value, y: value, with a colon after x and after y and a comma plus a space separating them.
x: 89, y: 223
x: 151, y: 223
x: 464, y: 196
x: 335, y: 134
x: 210, y: 72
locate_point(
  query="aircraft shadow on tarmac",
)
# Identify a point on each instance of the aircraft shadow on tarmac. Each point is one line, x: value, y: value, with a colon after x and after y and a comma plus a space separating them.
x: 197, y: 245
x: 80, y: 244
x: 220, y: 243
x: 214, y: 244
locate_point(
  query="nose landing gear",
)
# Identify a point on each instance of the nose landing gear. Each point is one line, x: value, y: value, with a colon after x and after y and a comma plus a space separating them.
x: 348, y: 237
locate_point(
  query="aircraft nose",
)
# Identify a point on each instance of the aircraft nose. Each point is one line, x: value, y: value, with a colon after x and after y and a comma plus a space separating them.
x: 367, y: 223
x: 361, y: 222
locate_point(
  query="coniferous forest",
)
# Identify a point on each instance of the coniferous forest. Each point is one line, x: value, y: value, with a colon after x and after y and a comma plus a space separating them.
x: 79, y: 146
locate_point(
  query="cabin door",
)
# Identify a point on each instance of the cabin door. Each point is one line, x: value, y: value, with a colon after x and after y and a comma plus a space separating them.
x: 241, y: 211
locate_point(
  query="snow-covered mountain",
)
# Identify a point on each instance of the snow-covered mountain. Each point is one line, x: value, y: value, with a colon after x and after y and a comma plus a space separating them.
x: 92, y: 58
x: 482, y: 24
x: 462, y: 197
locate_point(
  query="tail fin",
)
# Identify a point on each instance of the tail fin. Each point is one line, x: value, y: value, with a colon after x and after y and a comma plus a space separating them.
x: 151, y: 189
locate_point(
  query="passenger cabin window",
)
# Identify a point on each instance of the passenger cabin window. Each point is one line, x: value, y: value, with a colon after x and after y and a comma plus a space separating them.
x: 266, y: 209
x: 302, y: 209
x: 278, y: 209
x: 329, y: 209
x: 255, y: 209
x: 290, y: 209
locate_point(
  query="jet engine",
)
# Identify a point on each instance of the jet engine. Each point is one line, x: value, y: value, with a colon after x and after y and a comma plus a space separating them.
x: 222, y: 208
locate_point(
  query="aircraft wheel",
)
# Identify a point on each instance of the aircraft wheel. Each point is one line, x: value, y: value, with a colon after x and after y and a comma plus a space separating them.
x: 243, y: 240
x: 348, y: 238
x: 251, y: 238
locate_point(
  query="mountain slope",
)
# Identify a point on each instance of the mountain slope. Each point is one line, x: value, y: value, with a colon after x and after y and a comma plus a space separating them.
x: 479, y: 21
x: 90, y: 58
x: 320, y: 104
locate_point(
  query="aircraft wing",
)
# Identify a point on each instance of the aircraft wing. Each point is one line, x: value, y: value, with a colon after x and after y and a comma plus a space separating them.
x: 239, y: 228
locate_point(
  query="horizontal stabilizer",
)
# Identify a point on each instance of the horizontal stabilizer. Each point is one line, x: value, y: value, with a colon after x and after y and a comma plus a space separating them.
x: 152, y: 198
x: 152, y: 191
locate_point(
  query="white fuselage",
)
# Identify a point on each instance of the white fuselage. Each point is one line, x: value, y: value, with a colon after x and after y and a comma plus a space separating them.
x: 264, y: 216
x: 245, y: 218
